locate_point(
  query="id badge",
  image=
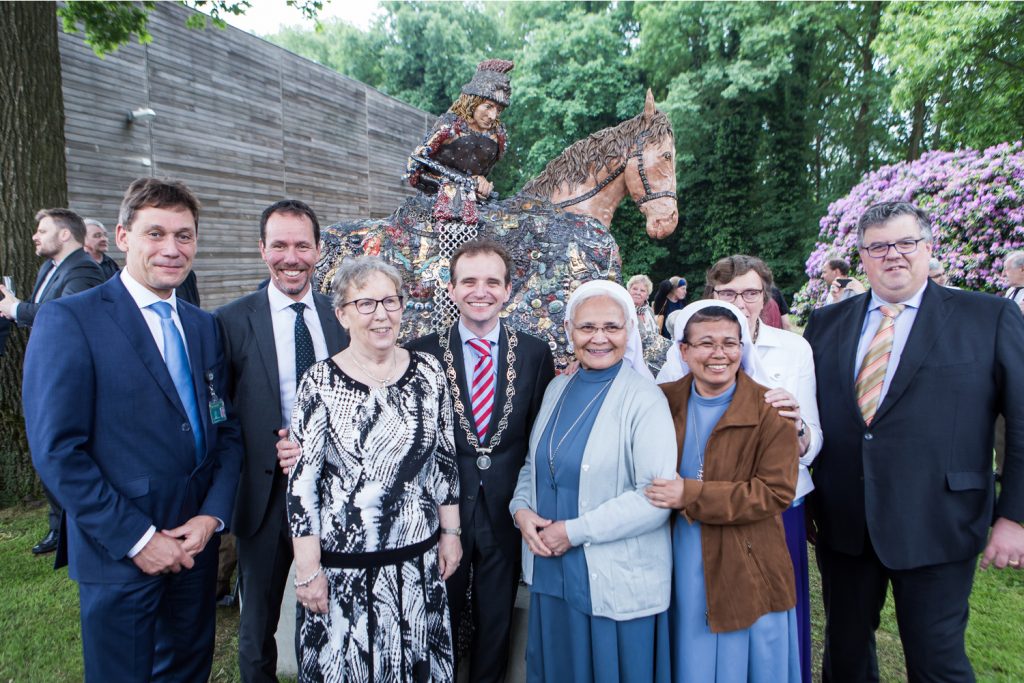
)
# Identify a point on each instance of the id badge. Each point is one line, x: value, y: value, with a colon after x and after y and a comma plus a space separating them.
x: 217, y: 412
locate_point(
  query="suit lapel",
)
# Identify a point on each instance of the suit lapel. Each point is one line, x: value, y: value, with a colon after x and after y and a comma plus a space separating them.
x: 194, y: 344
x: 458, y: 359
x: 928, y: 325
x: 127, y: 316
x: 500, y: 387
x: 329, y: 324
x: 41, y: 276
x: 847, y: 342
x: 263, y: 331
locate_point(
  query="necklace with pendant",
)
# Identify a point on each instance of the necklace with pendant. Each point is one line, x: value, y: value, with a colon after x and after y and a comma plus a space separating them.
x: 553, y: 447
x: 386, y: 380
x: 700, y: 446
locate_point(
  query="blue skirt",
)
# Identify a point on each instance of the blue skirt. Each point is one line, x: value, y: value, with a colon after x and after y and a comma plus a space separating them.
x: 565, y: 645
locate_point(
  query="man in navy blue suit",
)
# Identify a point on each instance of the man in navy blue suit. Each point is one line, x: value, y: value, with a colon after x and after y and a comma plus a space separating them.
x: 124, y: 392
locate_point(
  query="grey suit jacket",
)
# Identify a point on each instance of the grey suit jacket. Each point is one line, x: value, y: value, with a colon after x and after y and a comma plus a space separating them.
x: 254, y: 388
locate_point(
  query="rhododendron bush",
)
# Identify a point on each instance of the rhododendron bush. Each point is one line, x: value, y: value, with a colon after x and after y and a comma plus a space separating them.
x: 975, y: 199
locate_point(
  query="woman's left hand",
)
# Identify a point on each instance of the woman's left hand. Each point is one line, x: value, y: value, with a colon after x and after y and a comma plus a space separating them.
x: 556, y: 538
x: 666, y: 493
x: 449, y: 554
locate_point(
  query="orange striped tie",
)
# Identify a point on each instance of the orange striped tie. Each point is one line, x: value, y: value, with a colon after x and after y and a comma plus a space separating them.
x: 876, y: 361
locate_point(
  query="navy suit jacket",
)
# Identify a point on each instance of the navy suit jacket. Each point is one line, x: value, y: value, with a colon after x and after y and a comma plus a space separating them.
x: 247, y: 331
x: 109, y: 435
x: 919, y: 479
x: 76, y: 273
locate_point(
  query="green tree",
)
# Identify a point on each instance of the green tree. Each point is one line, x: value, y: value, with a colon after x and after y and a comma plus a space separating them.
x: 961, y: 65
x: 337, y: 45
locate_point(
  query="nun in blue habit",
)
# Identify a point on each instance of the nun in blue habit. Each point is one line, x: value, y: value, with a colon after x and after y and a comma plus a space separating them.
x: 597, y: 553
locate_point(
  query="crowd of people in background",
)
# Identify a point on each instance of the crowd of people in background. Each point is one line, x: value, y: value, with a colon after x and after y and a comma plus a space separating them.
x: 661, y: 526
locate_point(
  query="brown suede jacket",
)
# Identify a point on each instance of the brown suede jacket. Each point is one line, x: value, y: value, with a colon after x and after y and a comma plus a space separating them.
x: 750, y: 471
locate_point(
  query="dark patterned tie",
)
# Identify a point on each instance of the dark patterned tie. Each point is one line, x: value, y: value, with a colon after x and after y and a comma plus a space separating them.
x: 304, y: 354
x: 482, y: 389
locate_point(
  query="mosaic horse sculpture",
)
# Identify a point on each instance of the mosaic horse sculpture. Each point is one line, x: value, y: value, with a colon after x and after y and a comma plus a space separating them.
x: 556, y: 229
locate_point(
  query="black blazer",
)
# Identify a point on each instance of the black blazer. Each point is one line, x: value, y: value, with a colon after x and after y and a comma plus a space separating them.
x: 919, y: 480
x: 254, y: 388
x: 534, y: 367
x: 76, y: 273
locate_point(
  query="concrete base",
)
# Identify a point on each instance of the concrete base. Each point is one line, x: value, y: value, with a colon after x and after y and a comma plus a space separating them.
x: 287, y: 665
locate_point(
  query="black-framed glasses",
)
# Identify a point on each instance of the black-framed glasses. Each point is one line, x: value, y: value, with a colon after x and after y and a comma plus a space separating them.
x: 730, y: 346
x: 749, y: 295
x: 368, y: 306
x: 881, y: 249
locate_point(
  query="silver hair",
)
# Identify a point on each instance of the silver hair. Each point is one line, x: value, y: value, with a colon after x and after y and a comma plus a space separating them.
x: 576, y: 299
x: 354, y: 272
x: 93, y: 221
x: 1014, y: 259
x: 933, y: 264
x: 642, y: 279
x: 883, y: 212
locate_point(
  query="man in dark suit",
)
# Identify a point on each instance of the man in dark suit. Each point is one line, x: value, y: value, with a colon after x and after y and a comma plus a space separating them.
x: 911, y: 377
x: 96, y: 244
x: 68, y: 269
x: 491, y: 438
x: 124, y: 397
x: 270, y: 337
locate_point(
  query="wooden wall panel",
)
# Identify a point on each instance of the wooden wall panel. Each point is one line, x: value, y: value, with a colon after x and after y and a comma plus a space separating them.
x: 240, y: 120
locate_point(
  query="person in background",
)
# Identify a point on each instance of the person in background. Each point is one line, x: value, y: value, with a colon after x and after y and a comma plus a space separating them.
x: 640, y: 287
x: 673, y: 299
x: 904, y: 493
x: 732, y: 616
x: 1013, y: 273
x: 373, y: 498
x: 597, y: 554
x: 834, y: 268
x: 786, y: 366
x: 96, y: 244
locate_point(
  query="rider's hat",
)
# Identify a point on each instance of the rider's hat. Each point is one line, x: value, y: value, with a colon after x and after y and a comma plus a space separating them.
x: 491, y: 81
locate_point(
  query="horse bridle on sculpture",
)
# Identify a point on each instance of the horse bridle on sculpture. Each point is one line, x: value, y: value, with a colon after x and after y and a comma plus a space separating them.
x: 638, y: 152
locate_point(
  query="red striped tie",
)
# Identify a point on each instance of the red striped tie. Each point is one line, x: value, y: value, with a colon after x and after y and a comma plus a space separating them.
x: 876, y: 361
x: 482, y: 389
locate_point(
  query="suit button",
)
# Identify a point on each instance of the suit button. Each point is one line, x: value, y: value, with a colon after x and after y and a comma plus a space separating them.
x: 470, y: 498
x: 268, y: 471
x: 587, y: 544
x: 186, y: 427
x: 868, y: 436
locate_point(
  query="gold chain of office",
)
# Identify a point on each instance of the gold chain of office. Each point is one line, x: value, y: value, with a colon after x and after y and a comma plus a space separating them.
x: 460, y: 410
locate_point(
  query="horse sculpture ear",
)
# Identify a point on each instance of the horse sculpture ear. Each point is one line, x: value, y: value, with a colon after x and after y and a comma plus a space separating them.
x: 649, y: 107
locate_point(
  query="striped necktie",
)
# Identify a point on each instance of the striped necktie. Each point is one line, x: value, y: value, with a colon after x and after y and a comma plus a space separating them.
x: 482, y: 389
x: 876, y: 361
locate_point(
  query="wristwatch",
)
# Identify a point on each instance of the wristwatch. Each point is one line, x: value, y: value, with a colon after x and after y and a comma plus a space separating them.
x: 453, y: 531
x: 803, y: 428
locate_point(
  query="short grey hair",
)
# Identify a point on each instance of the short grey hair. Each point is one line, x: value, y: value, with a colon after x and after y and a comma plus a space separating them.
x: 354, y: 273
x: 1015, y: 259
x: 934, y: 264
x: 643, y: 280
x: 883, y: 212
x: 93, y: 221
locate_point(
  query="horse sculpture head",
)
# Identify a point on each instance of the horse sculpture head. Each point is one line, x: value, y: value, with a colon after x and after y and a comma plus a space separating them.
x: 593, y: 175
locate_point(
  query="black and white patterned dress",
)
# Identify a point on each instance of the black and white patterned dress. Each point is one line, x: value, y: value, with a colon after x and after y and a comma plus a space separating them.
x: 375, y: 466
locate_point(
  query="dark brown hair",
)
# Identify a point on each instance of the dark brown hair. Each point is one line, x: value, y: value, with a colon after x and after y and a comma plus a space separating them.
x: 145, y: 193
x: 66, y: 219
x: 482, y: 246
x: 729, y: 268
x: 711, y: 314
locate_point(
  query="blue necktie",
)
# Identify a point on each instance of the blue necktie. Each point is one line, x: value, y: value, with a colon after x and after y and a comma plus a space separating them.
x: 181, y: 372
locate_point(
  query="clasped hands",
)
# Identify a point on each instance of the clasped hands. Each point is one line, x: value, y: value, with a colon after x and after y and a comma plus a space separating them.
x: 544, y: 537
x: 171, y: 550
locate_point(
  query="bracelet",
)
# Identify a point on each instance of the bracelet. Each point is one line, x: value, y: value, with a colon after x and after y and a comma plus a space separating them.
x: 452, y: 531
x: 306, y: 582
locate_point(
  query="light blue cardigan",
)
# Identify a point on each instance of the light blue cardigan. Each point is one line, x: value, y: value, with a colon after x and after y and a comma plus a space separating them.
x: 626, y: 540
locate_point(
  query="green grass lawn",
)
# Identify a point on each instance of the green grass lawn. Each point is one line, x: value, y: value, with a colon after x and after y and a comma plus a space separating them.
x: 40, y: 639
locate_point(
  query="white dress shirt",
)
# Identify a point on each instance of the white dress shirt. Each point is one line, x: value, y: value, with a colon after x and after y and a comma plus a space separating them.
x: 904, y: 321
x: 283, y: 319
x: 788, y: 362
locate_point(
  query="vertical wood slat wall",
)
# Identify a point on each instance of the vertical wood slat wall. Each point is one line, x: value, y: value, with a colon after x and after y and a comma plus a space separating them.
x: 244, y: 123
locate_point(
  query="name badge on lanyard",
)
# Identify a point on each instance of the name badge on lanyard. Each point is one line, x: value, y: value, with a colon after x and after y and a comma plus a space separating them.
x: 217, y: 412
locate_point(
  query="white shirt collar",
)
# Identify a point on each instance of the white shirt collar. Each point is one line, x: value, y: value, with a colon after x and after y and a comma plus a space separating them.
x: 144, y: 297
x: 913, y: 302
x: 280, y: 301
x: 493, y: 336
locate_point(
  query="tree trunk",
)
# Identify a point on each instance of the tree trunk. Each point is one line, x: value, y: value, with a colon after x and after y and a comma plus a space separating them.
x: 916, y: 131
x: 861, y: 146
x: 33, y: 176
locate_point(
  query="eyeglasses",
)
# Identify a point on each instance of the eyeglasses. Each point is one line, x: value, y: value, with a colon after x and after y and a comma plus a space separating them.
x: 609, y: 330
x: 730, y: 346
x: 368, y: 306
x: 881, y: 249
x: 749, y: 295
